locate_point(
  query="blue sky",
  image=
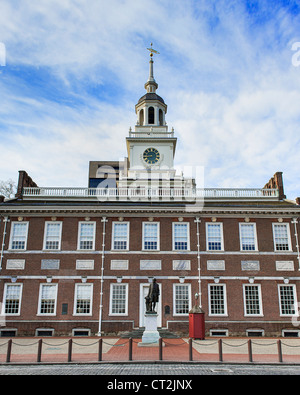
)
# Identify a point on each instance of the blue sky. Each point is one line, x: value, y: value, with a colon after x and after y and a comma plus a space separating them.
x: 75, y: 69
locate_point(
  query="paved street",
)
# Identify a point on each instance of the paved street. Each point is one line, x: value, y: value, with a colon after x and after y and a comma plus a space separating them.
x: 155, y: 369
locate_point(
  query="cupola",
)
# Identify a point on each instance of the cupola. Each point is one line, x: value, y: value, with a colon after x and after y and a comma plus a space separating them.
x: 151, y: 108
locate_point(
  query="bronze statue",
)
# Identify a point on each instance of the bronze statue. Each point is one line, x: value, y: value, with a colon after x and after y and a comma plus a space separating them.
x: 152, y: 297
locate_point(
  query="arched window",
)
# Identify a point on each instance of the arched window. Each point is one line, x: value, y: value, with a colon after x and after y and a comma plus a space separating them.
x: 151, y: 116
x: 161, y: 118
x: 141, y: 118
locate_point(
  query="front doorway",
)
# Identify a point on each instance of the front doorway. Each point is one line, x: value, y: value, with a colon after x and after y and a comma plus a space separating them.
x: 144, y: 289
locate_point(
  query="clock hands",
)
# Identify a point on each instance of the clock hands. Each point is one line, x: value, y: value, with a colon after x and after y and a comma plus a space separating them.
x: 151, y: 156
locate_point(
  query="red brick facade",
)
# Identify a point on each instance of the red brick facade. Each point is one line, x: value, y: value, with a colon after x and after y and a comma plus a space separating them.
x: 266, y: 274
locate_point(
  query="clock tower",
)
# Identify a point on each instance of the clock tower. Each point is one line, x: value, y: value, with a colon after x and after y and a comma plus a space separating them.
x: 151, y: 146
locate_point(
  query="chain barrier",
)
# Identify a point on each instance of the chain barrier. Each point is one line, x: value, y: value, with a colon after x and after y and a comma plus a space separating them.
x: 172, y: 344
x: 116, y: 345
x: 85, y: 345
x: 206, y: 345
x: 190, y: 343
x: 55, y: 345
x: 138, y: 342
x: 235, y: 345
x: 264, y: 344
x: 289, y: 345
x: 24, y: 345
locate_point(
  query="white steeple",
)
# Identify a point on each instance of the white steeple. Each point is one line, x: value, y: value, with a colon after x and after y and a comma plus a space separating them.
x: 151, y: 108
x: 151, y: 147
x: 151, y: 84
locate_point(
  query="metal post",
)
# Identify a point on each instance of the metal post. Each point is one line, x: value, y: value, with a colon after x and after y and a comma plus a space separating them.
x: 279, y: 351
x: 250, y: 350
x: 160, y: 342
x: 70, y: 351
x: 8, y: 354
x: 220, y: 351
x: 39, y: 354
x: 130, y: 349
x: 190, y: 349
x: 100, y: 350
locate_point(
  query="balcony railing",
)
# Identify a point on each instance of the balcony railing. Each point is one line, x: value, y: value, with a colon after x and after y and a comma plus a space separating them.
x: 145, y: 193
x: 145, y: 134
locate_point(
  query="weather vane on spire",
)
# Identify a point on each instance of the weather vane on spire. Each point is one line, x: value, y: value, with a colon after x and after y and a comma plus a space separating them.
x: 152, y: 51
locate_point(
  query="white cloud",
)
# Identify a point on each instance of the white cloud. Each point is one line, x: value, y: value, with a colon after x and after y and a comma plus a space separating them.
x: 227, y: 77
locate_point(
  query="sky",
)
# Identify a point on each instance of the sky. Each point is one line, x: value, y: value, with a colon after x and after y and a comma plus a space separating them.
x: 71, y: 72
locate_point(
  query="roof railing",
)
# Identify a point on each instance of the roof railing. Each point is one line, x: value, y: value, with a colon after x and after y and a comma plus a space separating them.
x: 176, y: 193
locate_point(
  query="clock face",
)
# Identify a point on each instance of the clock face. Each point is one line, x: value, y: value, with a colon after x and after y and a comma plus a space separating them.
x: 151, y: 156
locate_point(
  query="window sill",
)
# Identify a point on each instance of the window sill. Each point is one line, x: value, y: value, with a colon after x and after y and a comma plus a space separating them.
x: 82, y: 315
x: 91, y: 250
x: 117, y: 315
x: 46, y: 315
x: 10, y: 315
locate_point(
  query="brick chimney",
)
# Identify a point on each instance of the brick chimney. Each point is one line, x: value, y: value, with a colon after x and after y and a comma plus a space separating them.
x: 24, y: 181
x: 276, y: 182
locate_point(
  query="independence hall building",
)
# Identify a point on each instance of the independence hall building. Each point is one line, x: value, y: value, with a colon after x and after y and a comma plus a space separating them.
x: 79, y: 261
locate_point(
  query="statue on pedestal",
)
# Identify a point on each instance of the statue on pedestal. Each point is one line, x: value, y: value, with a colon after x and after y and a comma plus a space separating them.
x: 152, y: 297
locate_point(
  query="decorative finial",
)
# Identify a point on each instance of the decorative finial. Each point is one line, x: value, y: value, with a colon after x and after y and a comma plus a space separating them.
x: 152, y: 51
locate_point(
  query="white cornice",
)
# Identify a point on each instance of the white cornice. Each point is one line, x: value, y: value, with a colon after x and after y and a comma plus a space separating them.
x: 187, y: 211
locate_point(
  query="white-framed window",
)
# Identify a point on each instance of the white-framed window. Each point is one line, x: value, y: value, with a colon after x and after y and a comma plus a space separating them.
x: 120, y: 236
x: 52, y: 235
x: 181, y: 299
x: 181, y: 236
x: 214, y: 237
x: 12, y: 299
x: 282, y: 237
x: 252, y: 300
x: 47, y: 299
x: 217, y: 299
x: 86, y: 235
x: 118, y: 299
x: 151, y: 236
x: 18, y: 236
x: 83, y: 299
x: 248, y: 238
x: 287, y: 299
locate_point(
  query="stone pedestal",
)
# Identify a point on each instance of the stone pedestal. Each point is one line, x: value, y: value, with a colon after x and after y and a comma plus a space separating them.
x: 151, y: 334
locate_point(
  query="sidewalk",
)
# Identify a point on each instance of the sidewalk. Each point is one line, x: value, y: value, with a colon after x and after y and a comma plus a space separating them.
x: 211, y: 350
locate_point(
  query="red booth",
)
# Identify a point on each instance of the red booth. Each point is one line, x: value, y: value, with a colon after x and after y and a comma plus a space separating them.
x: 197, y: 323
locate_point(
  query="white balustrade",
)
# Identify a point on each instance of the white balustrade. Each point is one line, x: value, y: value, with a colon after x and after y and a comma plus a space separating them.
x: 148, y: 193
